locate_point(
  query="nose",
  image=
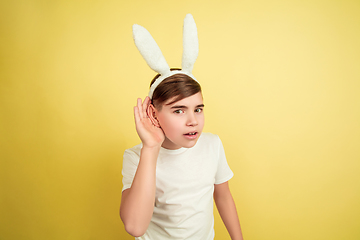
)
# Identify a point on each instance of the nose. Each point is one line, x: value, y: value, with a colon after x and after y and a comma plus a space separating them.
x: 192, y: 120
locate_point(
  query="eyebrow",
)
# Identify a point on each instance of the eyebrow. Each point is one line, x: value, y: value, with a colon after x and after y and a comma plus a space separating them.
x: 183, y: 106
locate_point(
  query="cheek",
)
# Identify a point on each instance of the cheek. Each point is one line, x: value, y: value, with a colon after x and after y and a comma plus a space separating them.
x: 166, y: 123
x: 202, y: 122
x: 170, y: 126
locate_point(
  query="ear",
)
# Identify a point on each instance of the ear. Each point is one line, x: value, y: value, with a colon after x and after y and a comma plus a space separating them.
x: 151, y: 112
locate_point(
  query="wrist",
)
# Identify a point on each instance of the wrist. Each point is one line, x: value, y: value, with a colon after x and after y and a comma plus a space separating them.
x: 150, y: 153
x: 151, y: 150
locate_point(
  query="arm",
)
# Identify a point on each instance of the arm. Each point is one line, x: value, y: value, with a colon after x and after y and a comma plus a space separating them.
x: 137, y: 202
x: 227, y: 210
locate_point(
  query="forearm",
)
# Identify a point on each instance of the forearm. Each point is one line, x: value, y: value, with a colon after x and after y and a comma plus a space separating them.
x: 227, y: 210
x: 137, y: 202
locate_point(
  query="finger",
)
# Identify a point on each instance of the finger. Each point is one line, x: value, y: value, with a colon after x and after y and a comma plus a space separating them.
x: 136, y: 115
x: 145, y: 106
x: 139, y: 106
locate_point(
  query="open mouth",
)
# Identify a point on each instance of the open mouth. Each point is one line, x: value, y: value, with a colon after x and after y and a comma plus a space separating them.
x: 191, y: 135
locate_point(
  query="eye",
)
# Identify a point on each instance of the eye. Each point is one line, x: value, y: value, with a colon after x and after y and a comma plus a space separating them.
x: 179, y: 111
x: 198, y: 110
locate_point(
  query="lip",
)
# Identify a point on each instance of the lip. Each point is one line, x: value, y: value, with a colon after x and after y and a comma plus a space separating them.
x: 191, y: 136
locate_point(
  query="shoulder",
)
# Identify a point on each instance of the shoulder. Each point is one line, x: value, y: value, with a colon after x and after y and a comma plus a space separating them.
x: 209, y: 138
x: 209, y: 141
x: 133, y: 153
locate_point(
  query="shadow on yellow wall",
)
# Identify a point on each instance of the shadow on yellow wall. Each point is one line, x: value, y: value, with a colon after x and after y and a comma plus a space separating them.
x: 281, y: 83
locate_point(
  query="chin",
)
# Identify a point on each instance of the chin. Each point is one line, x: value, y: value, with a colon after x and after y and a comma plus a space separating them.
x: 190, y: 144
x: 180, y: 143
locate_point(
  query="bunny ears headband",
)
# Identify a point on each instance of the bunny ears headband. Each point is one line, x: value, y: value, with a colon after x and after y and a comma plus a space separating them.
x: 155, y: 59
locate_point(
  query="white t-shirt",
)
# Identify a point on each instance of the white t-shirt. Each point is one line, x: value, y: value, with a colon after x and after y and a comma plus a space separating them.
x: 185, y: 181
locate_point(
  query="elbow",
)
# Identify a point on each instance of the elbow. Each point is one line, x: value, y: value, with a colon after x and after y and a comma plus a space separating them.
x: 132, y: 227
x: 134, y: 230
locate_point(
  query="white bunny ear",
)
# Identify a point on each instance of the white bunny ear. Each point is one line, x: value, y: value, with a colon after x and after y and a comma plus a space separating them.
x: 150, y: 50
x: 190, y: 44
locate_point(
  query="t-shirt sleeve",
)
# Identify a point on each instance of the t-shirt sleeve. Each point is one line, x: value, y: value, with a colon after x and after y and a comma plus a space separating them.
x: 223, y: 173
x: 130, y: 163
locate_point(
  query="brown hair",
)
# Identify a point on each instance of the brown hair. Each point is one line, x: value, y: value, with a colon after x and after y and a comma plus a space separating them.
x: 176, y: 87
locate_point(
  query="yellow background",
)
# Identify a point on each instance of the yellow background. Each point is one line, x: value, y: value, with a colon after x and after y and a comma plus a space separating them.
x: 281, y: 84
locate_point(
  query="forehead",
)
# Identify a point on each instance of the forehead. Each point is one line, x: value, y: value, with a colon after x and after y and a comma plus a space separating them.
x: 192, y: 100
